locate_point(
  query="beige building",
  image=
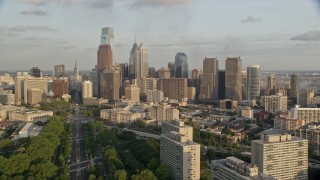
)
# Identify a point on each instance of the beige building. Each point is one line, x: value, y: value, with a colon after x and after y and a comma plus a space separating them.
x: 23, y: 83
x: 120, y: 115
x: 311, y: 132
x: 209, y: 81
x: 6, y: 97
x: 145, y: 84
x: 162, y: 112
x: 177, y: 126
x: 233, y: 78
x: 233, y: 168
x: 286, y: 123
x: 174, y: 88
x: 164, y: 73
x: 281, y: 156
x: 5, y: 109
x: 272, y: 82
x: 181, y: 155
x: 94, y: 101
x: 191, y: 93
x: 247, y: 112
x: 307, y: 114
x: 228, y: 104
x: 34, y: 96
x: 155, y: 96
x: 30, y: 115
x: 196, y: 74
x: 86, y: 89
x: 274, y: 103
x: 132, y: 93
x: 110, y: 82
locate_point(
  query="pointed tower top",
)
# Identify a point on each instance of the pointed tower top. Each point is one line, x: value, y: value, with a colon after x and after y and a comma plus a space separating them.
x: 75, y: 64
x: 135, y: 39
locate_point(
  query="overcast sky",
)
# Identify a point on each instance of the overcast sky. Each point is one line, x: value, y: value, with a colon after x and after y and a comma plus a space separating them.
x: 277, y: 34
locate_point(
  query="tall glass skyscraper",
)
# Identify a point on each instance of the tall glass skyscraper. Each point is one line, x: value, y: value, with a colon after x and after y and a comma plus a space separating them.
x: 181, y: 65
x: 253, y: 82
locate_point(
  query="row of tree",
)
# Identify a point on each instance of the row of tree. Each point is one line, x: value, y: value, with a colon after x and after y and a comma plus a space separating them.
x: 45, y: 156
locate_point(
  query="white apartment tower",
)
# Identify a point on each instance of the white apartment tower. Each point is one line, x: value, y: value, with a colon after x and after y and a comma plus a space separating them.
x: 281, y: 156
x: 86, y: 89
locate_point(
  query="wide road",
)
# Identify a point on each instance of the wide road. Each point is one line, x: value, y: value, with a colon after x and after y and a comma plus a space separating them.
x: 78, y: 160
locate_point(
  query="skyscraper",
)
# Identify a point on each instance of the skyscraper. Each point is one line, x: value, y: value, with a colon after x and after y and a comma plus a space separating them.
x: 295, y: 88
x: 209, y: 82
x: 107, y: 38
x: 141, y: 64
x: 221, y: 84
x: 272, y: 82
x: 132, y: 61
x: 86, y: 89
x: 59, y: 70
x: 181, y: 65
x: 233, y: 78
x: 171, y: 68
x: 36, y: 72
x: 281, y: 156
x: 110, y: 80
x: 76, y: 72
x: 253, y: 82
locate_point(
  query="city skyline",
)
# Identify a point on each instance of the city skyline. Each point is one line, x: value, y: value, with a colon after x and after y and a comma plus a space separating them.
x: 44, y: 33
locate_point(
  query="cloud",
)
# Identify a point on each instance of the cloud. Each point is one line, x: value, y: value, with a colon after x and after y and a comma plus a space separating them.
x: 251, y: 19
x: 35, y: 2
x: 159, y: 3
x: 33, y: 11
x: 100, y: 4
x: 44, y: 2
x: 308, y: 36
x: 22, y: 28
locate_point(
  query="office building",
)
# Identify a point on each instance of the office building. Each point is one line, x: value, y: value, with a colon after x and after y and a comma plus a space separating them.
x: 36, y: 72
x: 209, y: 82
x: 174, y: 88
x: 59, y: 70
x: 152, y: 72
x: 155, y: 96
x: 171, y: 68
x: 110, y: 81
x: 23, y: 83
x: 60, y: 87
x: 141, y: 62
x: 306, y: 97
x: 244, y: 84
x: 191, y: 93
x: 281, y: 156
x: 311, y: 132
x: 95, y: 81
x: 132, y: 93
x: 87, y: 89
x: 164, y: 73
x: 272, y: 82
x: 181, y: 65
x: 221, y: 84
x: 253, y: 82
x: 181, y: 155
x: 196, y: 73
x: 132, y: 61
x: 124, y: 71
x: 34, y: 96
x: 274, y: 103
x: 29, y: 115
x: 307, y: 114
x: 294, y: 88
x: 233, y: 79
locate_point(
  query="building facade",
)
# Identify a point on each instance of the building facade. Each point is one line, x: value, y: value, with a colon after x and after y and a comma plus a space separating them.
x: 87, y: 89
x: 181, y: 65
x: 253, y: 82
x: 233, y: 79
x: 209, y: 81
x: 274, y: 103
x: 174, y: 88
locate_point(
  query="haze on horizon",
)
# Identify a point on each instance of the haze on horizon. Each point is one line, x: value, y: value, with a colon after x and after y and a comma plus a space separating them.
x: 278, y: 35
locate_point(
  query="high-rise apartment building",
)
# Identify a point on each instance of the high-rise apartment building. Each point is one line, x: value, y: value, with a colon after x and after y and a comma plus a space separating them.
x: 181, y: 65
x: 110, y: 80
x: 288, y: 124
x: 177, y: 126
x: 141, y: 64
x: 162, y: 112
x: 253, y: 82
x: 281, y: 156
x: 274, y: 103
x: 173, y: 88
x: 86, y: 89
x: 180, y: 153
x: 221, y: 84
x: 294, y: 88
x: 233, y: 79
x: 132, y: 93
x: 59, y: 70
x: 196, y: 73
x: 155, y: 96
x: 311, y: 132
x: 307, y: 114
x: 209, y: 82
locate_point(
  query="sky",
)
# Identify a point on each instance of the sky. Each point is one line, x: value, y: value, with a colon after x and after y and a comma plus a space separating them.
x: 278, y: 35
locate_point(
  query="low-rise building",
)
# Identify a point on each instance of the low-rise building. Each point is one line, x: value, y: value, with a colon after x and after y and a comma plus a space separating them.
x: 94, y: 101
x: 25, y: 131
x: 5, y: 109
x: 29, y: 115
x: 228, y: 104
